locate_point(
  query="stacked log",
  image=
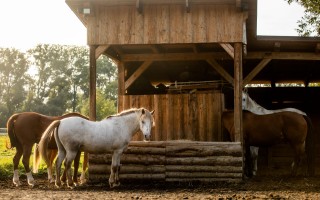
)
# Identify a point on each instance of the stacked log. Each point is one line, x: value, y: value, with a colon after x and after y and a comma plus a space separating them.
x: 203, y: 161
x: 142, y: 160
x: 173, y: 161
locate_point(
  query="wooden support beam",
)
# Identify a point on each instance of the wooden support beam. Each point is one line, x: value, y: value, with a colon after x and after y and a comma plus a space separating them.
x: 238, y: 92
x: 139, y: 6
x: 137, y: 73
x: 101, y: 49
x: 173, y: 56
x: 187, y: 6
x: 228, y: 48
x: 317, y: 50
x: 283, y: 55
x: 92, y: 83
x: 256, y: 70
x: 221, y: 70
x: 238, y: 97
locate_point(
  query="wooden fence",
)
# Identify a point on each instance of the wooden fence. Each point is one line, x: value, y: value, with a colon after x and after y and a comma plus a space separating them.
x: 195, y: 117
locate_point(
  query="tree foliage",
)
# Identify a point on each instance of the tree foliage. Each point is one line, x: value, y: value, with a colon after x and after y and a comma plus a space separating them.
x: 309, y: 24
x: 52, y: 80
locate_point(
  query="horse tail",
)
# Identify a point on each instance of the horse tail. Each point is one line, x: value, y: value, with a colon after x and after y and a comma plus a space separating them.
x: 43, y: 144
x: 10, y: 130
x: 36, y: 159
x: 310, y: 147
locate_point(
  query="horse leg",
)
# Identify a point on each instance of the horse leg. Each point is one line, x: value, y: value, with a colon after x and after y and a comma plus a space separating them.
x: 61, y: 156
x: 16, y: 160
x: 113, y: 170
x: 84, y: 168
x: 76, y: 167
x: 254, y: 156
x: 117, y: 180
x: 52, y: 156
x: 299, y: 151
x: 67, y: 163
x: 248, y: 162
x: 25, y: 160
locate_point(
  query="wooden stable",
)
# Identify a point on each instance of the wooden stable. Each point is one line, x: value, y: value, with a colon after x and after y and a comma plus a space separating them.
x: 178, y: 57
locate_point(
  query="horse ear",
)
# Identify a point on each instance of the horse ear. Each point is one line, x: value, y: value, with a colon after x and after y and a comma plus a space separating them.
x: 152, y: 112
x: 143, y: 111
x: 245, y: 90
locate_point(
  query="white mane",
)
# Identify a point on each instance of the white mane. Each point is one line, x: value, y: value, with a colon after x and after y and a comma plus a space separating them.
x: 250, y: 105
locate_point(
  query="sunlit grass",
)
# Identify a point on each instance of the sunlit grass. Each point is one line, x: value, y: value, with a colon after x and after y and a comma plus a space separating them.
x: 6, y: 163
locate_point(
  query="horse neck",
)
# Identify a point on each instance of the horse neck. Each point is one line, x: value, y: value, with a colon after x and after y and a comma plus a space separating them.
x: 129, y: 122
x: 256, y: 108
x: 259, y: 110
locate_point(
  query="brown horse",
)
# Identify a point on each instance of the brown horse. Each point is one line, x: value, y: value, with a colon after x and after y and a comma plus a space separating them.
x: 271, y: 129
x: 24, y: 130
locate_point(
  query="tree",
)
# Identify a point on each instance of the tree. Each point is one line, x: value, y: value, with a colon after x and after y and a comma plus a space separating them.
x: 104, y: 107
x: 310, y: 22
x: 13, y: 78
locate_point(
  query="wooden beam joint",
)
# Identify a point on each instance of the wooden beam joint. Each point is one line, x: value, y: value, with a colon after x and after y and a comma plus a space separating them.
x: 139, y: 6
x: 228, y: 48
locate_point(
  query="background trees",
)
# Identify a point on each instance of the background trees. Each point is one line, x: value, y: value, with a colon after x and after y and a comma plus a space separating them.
x: 310, y: 22
x: 52, y: 80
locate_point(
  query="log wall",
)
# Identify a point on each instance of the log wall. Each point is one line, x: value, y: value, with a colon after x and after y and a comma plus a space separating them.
x: 195, y: 117
x: 166, y: 24
x: 173, y: 161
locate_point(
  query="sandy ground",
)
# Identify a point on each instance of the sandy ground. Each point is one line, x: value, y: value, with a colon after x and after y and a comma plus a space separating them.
x: 260, y: 187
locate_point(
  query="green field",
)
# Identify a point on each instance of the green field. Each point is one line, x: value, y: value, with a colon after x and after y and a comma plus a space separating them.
x: 6, y: 165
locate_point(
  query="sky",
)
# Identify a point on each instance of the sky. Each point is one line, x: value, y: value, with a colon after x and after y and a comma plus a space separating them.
x: 52, y: 22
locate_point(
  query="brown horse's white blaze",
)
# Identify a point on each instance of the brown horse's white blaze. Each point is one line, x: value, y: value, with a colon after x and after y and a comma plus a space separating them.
x: 271, y: 129
x: 24, y: 130
x: 112, y: 134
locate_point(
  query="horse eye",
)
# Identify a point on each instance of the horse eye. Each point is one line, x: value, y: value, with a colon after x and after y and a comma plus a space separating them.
x: 142, y: 122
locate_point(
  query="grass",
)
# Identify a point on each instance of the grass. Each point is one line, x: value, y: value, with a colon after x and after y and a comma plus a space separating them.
x: 6, y: 163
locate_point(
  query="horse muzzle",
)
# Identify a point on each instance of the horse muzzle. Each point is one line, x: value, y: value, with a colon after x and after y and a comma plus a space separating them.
x: 146, y: 138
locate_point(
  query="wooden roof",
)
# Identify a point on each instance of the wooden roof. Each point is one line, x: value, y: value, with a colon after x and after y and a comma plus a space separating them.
x: 267, y: 58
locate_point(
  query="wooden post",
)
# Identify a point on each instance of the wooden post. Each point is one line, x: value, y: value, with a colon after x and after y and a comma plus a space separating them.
x: 238, y: 92
x: 92, y: 86
x: 238, y: 98
x: 121, y: 81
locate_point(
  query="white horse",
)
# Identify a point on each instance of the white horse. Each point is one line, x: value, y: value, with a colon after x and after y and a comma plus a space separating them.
x: 112, y: 134
x: 250, y: 105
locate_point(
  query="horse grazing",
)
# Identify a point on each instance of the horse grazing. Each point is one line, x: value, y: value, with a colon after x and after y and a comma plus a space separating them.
x: 272, y: 129
x: 112, y: 134
x: 250, y: 105
x: 24, y: 130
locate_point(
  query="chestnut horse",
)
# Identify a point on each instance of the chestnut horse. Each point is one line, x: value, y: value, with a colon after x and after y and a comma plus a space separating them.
x: 24, y: 130
x: 272, y: 129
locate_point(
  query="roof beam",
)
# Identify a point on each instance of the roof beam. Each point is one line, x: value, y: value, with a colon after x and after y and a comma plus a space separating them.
x: 228, y: 48
x: 256, y: 70
x: 137, y: 73
x: 220, y: 70
x: 101, y: 49
x: 172, y: 56
x: 218, y: 55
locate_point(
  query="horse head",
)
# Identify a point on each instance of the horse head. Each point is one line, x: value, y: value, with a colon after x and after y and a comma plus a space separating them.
x: 146, y: 123
x: 245, y: 100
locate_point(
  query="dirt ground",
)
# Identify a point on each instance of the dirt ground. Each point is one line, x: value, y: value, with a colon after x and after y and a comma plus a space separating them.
x: 260, y: 187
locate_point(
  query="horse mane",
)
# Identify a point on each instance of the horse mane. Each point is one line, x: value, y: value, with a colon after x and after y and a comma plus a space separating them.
x: 258, y: 109
x: 124, y: 112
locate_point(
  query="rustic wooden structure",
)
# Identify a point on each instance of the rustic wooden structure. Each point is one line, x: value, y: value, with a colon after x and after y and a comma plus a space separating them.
x: 176, y: 56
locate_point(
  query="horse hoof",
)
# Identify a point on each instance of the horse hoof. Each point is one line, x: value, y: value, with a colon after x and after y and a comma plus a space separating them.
x: 17, y: 183
x: 83, y: 181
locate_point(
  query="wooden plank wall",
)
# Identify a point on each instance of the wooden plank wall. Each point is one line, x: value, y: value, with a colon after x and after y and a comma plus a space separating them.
x: 195, y: 117
x: 173, y: 161
x: 159, y: 24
